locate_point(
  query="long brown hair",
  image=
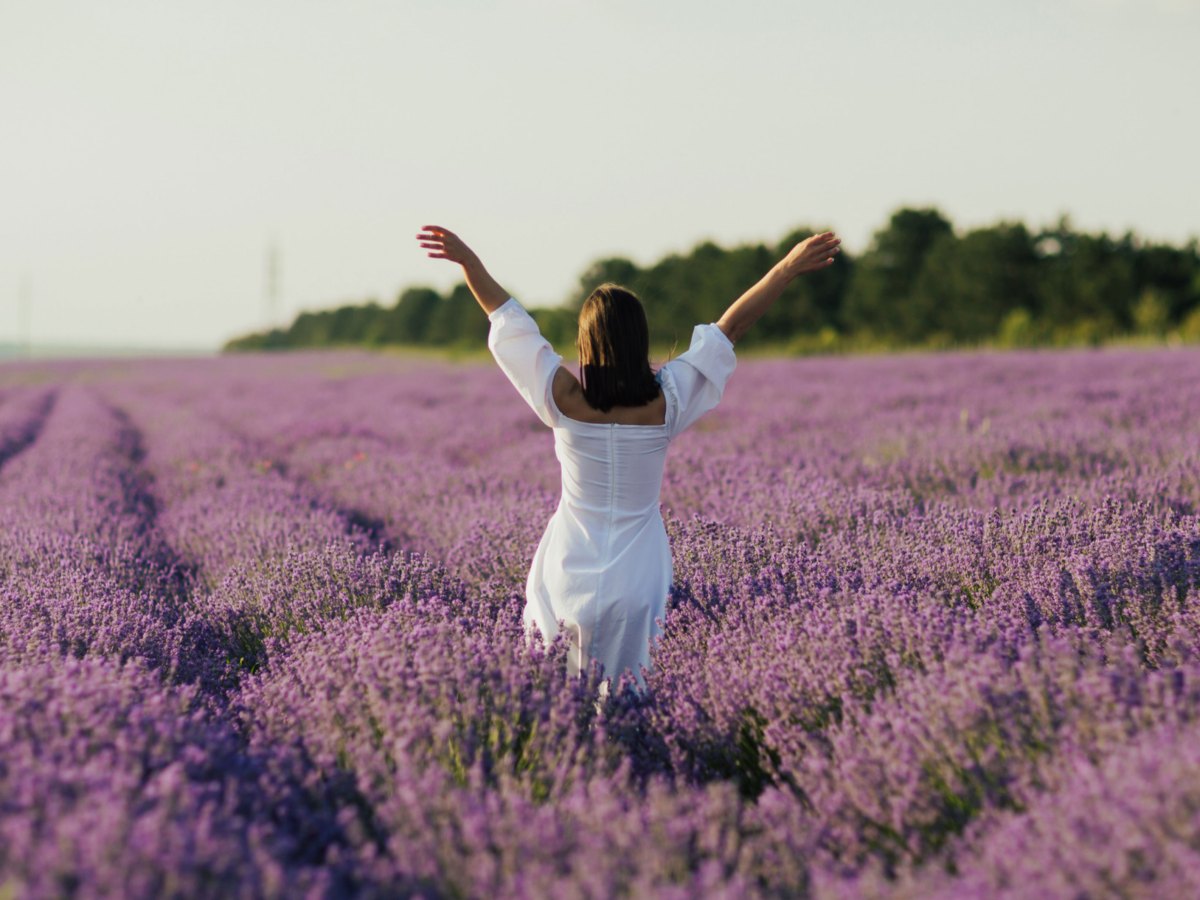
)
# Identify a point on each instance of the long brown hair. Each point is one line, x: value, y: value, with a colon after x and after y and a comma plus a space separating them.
x: 614, y: 350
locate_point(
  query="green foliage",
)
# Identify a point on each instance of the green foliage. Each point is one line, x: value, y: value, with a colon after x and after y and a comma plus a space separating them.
x: 408, y: 321
x: 967, y: 286
x: 919, y: 283
x: 1017, y: 329
x: 880, y: 298
x: 1150, y: 313
x: 1189, y: 329
x: 1088, y: 278
x: 559, y: 324
x: 457, y: 319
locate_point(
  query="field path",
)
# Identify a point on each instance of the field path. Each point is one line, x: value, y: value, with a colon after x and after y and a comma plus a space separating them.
x: 23, y: 413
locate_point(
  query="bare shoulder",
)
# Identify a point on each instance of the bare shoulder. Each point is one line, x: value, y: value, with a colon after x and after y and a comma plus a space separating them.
x: 567, y: 391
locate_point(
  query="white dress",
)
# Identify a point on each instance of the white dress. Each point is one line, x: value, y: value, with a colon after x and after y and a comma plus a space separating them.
x: 603, y: 566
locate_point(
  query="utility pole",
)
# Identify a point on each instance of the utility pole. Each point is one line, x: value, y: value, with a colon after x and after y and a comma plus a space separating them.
x: 24, y: 316
x: 271, y: 288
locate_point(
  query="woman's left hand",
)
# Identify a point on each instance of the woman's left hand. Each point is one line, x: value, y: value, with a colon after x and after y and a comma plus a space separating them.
x: 442, y: 243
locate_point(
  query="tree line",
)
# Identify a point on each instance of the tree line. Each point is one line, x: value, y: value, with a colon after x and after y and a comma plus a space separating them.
x: 919, y: 283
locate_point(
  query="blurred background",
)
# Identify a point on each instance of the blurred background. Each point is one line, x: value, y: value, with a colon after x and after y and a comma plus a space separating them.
x: 174, y: 176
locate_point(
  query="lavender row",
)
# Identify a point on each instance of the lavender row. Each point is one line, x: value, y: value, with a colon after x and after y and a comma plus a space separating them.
x: 117, y: 786
x: 269, y: 556
x: 83, y: 567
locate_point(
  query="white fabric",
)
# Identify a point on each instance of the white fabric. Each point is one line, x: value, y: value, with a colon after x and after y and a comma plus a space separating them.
x: 603, y: 565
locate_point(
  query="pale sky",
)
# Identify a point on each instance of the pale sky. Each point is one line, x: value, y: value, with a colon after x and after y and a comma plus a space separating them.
x: 150, y: 152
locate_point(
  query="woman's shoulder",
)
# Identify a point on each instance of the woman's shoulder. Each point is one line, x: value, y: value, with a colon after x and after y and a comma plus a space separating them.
x: 566, y: 388
x: 711, y: 353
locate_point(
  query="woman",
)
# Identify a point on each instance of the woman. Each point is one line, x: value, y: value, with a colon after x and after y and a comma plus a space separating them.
x: 603, y: 567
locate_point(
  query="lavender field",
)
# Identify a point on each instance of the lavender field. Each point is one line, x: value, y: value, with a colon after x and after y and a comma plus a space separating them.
x: 935, y: 632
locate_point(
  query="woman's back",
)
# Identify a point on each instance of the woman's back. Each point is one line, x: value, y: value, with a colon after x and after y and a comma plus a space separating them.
x: 611, y: 469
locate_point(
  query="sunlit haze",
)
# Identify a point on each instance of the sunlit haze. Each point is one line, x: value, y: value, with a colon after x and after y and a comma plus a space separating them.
x: 152, y: 153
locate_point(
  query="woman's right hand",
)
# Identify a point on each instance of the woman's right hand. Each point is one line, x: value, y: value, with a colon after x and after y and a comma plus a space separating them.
x: 445, y: 244
x: 813, y: 253
x: 442, y: 243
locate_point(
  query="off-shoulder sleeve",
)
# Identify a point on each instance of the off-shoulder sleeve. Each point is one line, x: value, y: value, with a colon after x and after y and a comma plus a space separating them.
x: 525, y: 357
x: 695, y: 380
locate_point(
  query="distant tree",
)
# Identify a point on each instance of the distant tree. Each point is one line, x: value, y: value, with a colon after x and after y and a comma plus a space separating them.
x: 967, y: 286
x: 1150, y: 314
x: 722, y: 276
x: 351, y: 324
x: 457, y: 319
x: 686, y: 290
x: 1087, y: 282
x: 310, y: 329
x: 408, y: 321
x: 1189, y: 328
x: 1173, y: 274
x: 878, y: 298
x: 669, y: 291
x: 559, y: 325
x: 275, y: 339
x: 614, y: 269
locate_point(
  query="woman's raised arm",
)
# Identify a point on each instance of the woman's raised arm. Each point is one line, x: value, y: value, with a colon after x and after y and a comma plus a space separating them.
x: 445, y: 244
x: 811, y: 254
